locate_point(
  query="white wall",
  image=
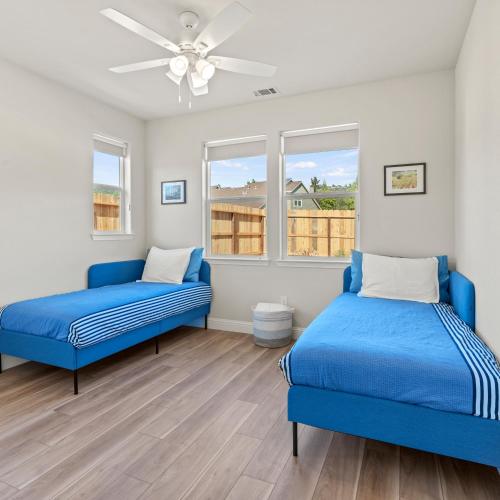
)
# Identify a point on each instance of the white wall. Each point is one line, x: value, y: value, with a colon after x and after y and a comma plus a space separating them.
x: 46, y: 185
x: 478, y: 164
x: 401, y: 120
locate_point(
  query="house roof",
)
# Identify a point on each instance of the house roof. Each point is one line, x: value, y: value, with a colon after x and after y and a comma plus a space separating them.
x: 251, y: 189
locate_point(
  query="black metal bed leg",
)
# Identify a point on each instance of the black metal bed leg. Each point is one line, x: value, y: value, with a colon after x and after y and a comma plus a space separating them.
x: 157, y: 345
x: 206, y: 322
x: 1, y: 368
x: 75, y: 381
x: 295, y: 450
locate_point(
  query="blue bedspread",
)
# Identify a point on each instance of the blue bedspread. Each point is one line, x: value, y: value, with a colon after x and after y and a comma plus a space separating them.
x: 90, y: 316
x: 397, y: 350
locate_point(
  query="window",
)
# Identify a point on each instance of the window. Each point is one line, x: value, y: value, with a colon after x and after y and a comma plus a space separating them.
x: 111, y: 204
x: 236, y: 197
x: 320, y: 196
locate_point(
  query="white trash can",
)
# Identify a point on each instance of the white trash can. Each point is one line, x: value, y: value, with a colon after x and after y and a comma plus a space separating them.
x: 272, y: 324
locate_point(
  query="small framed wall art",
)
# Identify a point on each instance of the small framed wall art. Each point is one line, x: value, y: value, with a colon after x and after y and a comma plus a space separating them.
x: 408, y: 178
x: 173, y: 192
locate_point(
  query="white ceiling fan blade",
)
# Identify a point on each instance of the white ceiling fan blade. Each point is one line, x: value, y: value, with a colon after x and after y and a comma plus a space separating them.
x: 197, y: 85
x: 225, y: 24
x: 139, y: 29
x: 242, y: 66
x: 139, y: 66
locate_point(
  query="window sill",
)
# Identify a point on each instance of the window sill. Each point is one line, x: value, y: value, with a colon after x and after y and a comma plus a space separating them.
x: 325, y: 264
x: 111, y: 237
x: 252, y: 261
x: 238, y: 261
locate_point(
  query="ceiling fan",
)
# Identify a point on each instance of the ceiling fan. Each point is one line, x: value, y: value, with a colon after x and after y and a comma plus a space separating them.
x: 191, y: 58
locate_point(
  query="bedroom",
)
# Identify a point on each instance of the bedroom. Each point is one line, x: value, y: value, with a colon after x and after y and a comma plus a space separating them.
x: 369, y: 99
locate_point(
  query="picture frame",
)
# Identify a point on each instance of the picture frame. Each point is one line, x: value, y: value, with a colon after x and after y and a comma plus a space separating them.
x: 173, y: 192
x: 405, y: 179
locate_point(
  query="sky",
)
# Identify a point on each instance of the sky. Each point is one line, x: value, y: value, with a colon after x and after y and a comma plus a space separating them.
x: 335, y: 167
x: 106, y: 169
x: 236, y: 173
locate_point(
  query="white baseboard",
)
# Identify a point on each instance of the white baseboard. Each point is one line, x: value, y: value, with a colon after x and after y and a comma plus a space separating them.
x: 11, y: 361
x: 233, y: 325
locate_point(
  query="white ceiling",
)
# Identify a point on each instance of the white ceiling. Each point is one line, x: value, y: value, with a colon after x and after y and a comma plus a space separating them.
x: 316, y: 44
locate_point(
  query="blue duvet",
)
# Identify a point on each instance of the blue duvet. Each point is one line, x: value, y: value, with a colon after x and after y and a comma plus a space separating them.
x: 404, y: 351
x: 90, y: 316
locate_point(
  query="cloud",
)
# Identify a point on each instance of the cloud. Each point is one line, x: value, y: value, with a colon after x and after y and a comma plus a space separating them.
x: 339, y: 172
x: 303, y: 164
x: 232, y: 164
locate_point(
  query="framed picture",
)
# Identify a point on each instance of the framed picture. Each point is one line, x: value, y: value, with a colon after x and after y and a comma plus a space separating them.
x: 173, y: 192
x: 408, y: 178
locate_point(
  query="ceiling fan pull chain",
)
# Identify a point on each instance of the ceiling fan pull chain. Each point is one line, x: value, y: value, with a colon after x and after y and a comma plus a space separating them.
x: 180, y: 97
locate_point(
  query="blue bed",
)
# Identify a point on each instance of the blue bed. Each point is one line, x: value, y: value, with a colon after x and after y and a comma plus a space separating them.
x: 116, y: 312
x: 403, y: 372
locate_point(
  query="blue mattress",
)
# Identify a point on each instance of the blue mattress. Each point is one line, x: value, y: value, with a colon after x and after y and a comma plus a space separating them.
x: 405, y: 351
x: 90, y: 316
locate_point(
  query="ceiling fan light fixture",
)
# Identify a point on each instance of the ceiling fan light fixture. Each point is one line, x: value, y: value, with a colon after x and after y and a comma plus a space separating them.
x: 176, y: 79
x: 196, y: 80
x: 179, y: 65
x: 205, y: 69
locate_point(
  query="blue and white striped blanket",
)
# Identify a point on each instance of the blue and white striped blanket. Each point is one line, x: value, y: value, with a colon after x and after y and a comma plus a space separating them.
x: 87, y: 317
x: 481, y: 362
x: 421, y: 354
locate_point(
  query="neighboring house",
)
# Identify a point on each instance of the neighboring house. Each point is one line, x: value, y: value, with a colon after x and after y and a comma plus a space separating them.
x: 296, y: 187
x: 259, y: 189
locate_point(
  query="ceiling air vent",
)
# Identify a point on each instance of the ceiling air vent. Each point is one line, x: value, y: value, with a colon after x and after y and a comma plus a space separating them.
x: 263, y: 92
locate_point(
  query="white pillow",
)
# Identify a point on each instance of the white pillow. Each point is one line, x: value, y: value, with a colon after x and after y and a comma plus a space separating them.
x: 166, y: 266
x: 399, y: 278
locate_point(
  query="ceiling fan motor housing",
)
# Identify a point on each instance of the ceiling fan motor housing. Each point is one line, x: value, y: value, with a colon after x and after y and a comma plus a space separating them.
x: 189, y: 20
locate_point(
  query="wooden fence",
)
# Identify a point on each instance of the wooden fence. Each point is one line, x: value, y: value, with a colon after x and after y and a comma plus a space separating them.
x: 106, y: 212
x: 240, y: 230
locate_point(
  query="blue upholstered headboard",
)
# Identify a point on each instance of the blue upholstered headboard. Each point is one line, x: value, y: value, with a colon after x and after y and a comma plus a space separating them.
x: 463, y: 298
x: 462, y: 295
x: 115, y: 273
x: 347, y: 279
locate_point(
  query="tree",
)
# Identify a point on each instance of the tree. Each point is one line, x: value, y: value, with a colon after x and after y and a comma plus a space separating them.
x: 336, y: 204
x: 251, y: 181
x: 315, y: 184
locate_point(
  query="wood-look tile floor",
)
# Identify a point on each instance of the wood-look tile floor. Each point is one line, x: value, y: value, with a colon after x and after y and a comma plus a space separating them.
x: 204, y: 419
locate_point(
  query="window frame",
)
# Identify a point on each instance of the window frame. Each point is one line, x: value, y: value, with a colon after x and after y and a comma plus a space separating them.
x: 311, y: 260
x: 125, y: 231
x: 207, y: 201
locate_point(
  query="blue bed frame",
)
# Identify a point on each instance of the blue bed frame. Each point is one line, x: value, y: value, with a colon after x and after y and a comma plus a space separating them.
x: 65, y: 355
x: 456, y: 435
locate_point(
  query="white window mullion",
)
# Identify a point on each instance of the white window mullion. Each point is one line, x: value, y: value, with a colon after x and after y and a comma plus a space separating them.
x: 321, y: 195
x: 123, y: 208
x: 235, y: 200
